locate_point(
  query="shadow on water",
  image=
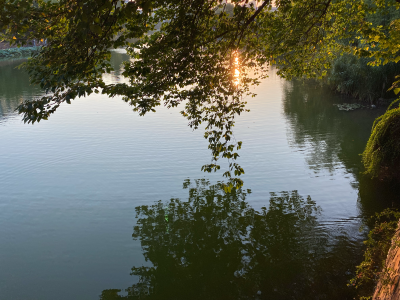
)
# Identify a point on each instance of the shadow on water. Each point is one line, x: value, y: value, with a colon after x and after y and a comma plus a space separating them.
x: 216, y: 246
x: 375, y: 196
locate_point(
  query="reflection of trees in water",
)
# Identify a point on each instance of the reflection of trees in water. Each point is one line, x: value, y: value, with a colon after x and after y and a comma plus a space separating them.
x: 14, y: 86
x: 375, y: 196
x: 118, y: 57
x: 117, y: 60
x: 216, y: 246
x: 329, y: 136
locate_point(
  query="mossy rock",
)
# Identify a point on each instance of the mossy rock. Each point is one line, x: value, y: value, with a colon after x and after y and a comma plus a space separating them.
x: 382, y: 154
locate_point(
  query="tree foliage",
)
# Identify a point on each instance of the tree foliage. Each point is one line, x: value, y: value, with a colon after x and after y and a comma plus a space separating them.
x: 187, y: 52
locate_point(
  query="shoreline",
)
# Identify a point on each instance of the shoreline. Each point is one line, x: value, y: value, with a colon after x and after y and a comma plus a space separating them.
x: 22, y: 52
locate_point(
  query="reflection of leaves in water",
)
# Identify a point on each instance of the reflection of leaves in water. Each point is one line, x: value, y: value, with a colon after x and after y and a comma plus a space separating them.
x: 215, y: 246
x: 329, y: 137
x: 14, y: 86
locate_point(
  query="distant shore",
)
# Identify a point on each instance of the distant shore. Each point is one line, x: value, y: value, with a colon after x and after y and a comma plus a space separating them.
x: 8, y: 51
x: 21, y: 52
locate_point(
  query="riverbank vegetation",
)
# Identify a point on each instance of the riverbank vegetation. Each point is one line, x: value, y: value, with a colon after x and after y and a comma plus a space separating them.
x: 361, y: 75
x: 369, y: 75
x: 355, y: 77
x: 372, y: 269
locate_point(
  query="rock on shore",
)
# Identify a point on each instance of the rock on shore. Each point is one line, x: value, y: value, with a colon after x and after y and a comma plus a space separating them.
x: 388, y: 287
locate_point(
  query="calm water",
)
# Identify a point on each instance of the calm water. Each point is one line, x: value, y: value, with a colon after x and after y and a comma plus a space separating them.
x: 99, y: 203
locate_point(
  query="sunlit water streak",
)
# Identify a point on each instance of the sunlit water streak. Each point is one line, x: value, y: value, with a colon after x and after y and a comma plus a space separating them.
x: 236, y: 68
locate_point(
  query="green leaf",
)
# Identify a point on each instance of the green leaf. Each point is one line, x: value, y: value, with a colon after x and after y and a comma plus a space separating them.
x: 95, y: 28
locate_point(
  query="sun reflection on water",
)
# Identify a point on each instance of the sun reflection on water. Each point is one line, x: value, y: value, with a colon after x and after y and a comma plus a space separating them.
x: 236, y: 76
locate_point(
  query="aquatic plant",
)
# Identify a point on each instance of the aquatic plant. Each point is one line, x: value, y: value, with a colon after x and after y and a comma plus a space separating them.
x: 349, y: 106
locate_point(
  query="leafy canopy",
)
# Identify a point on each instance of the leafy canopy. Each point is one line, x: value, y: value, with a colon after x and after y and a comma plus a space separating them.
x: 187, y: 51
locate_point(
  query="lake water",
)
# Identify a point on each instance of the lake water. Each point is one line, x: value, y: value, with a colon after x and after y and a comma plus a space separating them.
x: 80, y: 210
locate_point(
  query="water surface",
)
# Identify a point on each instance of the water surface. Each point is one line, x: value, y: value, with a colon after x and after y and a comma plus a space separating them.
x: 79, y: 194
